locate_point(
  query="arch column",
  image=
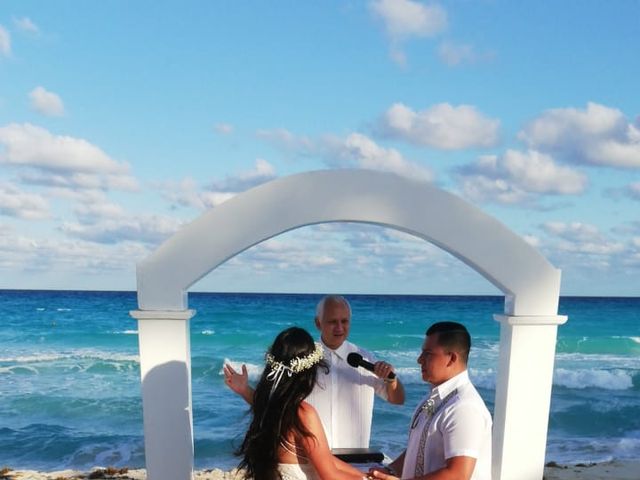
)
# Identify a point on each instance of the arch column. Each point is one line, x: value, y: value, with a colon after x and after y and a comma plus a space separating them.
x: 523, y: 395
x: 165, y: 369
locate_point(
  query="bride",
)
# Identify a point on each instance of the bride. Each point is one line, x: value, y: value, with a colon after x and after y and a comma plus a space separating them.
x: 285, y: 439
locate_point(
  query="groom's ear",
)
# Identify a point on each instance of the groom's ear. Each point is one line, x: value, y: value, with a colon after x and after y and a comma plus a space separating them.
x: 455, y: 357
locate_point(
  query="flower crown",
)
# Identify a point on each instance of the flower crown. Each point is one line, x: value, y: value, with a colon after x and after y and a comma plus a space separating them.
x: 297, y: 364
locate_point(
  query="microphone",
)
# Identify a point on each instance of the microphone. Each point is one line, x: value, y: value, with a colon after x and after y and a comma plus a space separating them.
x: 355, y: 360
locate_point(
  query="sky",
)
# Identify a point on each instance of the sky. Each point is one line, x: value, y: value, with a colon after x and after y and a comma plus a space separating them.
x: 122, y: 121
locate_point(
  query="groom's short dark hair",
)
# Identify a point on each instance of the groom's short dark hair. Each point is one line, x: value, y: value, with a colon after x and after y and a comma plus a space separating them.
x: 452, y: 336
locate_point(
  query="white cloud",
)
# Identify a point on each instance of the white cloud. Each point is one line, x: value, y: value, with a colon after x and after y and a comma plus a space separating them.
x: 261, y: 172
x: 582, y: 250
x: 597, y: 135
x: 100, y: 220
x: 480, y: 188
x: 62, y: 161
x: 627, y: 229
x: 30, y: 145
x: 441, y: 126
x: 353, y: 151
x: 574, y: 231
x: 201, y: 200
x: 532, y: 240
x: 98, y: 210
x: 582, y: 238
x: 45, y: 102
x: 287, y: 141
x: 20, y: 204
x: 398, y: 56
x: 26, y: 25
x: 294, y: 252
x: 516, y: 177
x: 80, y: 180
x: 454, y: 54
x: 357, y: 150
x: 150, y: 229
x: 390, y: 251
x: 67, y: 256
x: 406, y: 18
x: 223, y: 128
x: 341, y: 249
x: 538, y: 173
x: 187, y: 192
x: 89, y: 206
x: 5, y: 42
x: 633, y: 190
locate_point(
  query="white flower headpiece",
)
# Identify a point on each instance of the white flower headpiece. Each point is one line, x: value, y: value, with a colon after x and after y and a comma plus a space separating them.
x: 296, y: 365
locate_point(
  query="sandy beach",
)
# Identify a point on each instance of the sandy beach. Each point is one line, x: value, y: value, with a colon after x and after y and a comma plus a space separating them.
x: 110, y: 473
x: 616, y: 470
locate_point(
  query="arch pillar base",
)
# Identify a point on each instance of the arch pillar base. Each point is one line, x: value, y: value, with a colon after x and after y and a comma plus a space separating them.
x: 523, y: 395
x: 165, y: 369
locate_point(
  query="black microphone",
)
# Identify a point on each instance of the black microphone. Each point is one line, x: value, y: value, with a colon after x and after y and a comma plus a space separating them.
x: 355, y: 360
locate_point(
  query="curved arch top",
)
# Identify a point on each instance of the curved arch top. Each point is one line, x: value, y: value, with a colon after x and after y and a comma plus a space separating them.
x: 530, y: 283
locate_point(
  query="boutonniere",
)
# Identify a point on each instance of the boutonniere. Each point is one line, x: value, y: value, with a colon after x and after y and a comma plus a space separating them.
x: 429, y: 407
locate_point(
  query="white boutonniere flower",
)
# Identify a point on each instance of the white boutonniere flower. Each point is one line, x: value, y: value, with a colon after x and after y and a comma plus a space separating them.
x: 429, y: 407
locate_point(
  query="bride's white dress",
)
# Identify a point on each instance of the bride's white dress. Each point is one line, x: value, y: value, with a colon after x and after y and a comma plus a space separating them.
x: 298, y: 471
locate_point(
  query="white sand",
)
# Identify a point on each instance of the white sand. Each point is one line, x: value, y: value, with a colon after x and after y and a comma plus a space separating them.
x: 139, y: 474
x: 617, y: 470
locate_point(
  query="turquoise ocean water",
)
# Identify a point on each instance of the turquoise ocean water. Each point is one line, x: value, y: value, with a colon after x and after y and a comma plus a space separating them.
x: 70, y: 385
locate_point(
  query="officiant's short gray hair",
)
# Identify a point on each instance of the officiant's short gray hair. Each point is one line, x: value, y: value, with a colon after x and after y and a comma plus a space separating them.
x: 331, y: 299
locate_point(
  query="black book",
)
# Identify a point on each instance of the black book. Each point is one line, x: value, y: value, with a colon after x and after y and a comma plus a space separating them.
x: 358, y: 455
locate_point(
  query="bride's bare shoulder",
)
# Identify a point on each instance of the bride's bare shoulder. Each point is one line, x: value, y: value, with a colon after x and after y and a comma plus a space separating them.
x: 306, y: 411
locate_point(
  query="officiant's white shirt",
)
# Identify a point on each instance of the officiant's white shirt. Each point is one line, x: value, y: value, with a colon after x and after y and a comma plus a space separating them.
x: 462, y: 427
x: 344, y: 398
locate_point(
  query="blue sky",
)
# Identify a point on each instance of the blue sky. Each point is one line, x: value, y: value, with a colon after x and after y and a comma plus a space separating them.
x: 121, y: 121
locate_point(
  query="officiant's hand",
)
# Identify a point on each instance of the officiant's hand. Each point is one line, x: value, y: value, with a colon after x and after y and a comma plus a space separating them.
x: 238, y: 382
x: 383, y: 369
x: 395, y: 390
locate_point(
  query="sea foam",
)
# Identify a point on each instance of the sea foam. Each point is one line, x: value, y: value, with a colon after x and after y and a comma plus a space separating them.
x: 85, y: 354
x: 604, y: 379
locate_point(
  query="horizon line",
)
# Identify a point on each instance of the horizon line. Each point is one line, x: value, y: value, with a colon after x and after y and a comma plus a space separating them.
x: 305, y: 293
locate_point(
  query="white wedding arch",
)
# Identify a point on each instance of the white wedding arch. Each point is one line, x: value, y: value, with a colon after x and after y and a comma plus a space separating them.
x: 528, y: 324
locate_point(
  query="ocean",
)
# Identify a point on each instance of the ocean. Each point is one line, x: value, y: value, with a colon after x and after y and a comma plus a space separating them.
x: 70, y: 380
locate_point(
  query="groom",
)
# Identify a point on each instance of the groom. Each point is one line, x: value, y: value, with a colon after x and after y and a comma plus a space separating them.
x: 450, y: 432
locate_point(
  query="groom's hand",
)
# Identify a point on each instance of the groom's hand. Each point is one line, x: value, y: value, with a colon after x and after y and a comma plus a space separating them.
x: 383, y: 473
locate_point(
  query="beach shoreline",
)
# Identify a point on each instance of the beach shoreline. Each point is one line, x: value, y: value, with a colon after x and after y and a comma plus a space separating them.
x: 613, y: 470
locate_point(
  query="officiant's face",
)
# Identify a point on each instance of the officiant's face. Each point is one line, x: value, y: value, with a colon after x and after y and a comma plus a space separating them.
x: 434, y: 361
x: 334, y: 325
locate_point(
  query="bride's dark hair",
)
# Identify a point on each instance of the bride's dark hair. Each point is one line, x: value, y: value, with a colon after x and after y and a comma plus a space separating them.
x: 275, y: 412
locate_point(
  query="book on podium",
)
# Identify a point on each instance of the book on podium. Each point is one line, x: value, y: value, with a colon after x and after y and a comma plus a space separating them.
x: 358, y: 455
